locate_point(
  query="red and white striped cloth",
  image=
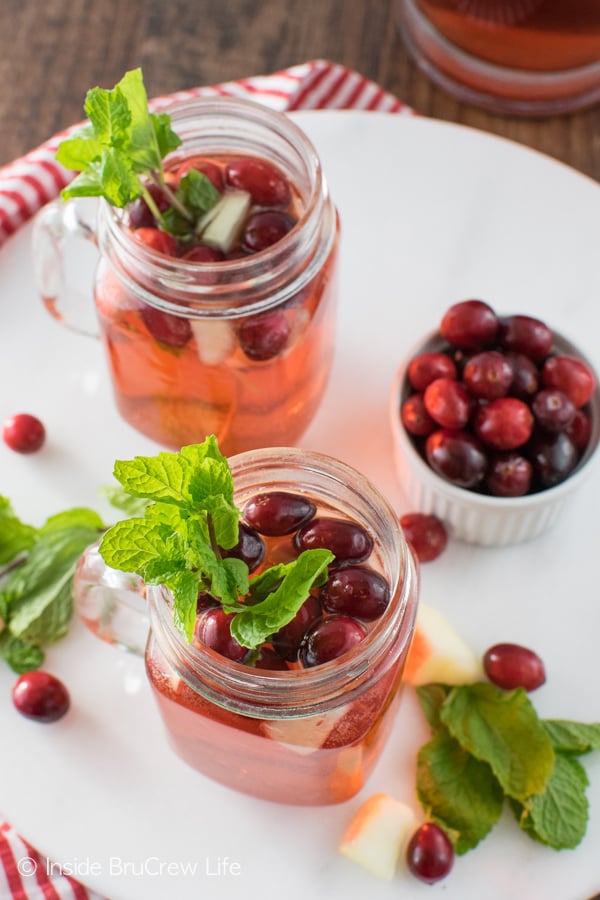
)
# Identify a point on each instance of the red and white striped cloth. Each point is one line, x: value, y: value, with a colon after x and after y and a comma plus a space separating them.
x: 25, y: 186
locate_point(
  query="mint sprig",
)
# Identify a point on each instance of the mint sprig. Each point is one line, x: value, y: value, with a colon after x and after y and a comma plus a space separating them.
x: 190, y: 520
x: 489, y: 745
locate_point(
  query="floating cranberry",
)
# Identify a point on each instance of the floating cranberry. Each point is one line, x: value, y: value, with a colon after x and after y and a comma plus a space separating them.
x: 348, y: 541
x: 524, y: 334
x: 415, y: 417
x: 504, y: 424
x: 250, y: 548
x: 213, y: 629
x: 427, y: 366
x: 156, y: 240
x: 24, y: 433
x: 40, y: 696
x: 288, y: 639
x: 205, y: 601
x: 261, y: 179
x: 488, y: 375
x: 511, y: 666
x: 265, y: 336
x: 140, y: 214
x: 509, y: 475
x: 553, y: 456
x: 173, y: 331
x: 469, y: 325
x: 329, y: 639
x: 269, y: 659
x: 356, y: 591
x: 426, y: 534
x: 553, y: 410
x: 457, y: 456
x: 447, y: 402
x: 202, y: 253
x: 570, y: 375
x: 430, y: 854
x: 275, y: 513
x: 265, y: 228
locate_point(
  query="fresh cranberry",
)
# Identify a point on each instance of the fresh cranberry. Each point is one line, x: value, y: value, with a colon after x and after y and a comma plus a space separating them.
x: 348, y: 541
x: 40, y: 696
x: 156, y: 240
x: 504, y: 424
x: 427, y: 366
x: 553, y: 456
x: 265, y: 228
x: 511, y: 666
x: 580, y: 430
x: 288, y: 639
x: 488, y: 375
x: 269, y: 659
x: 278, y: 512
x: 524, y: 334
x: 552, y: 409
x: 426, y: 534
x: 509, y: 475
x: 415, y: 417
x: 447, y: 402
x: 430, y: 855
x: 570, y: 375
x: 261, y: 179
x: 264, y: 336
x: 250, y: 548
x: 213, y: 629
x: 173, y: 331
x: 205, y: 601
x: 330, y: 638
x: 457, y: 456
x: 202, y: 253
x: 526, y: 377
x: 208, y: 168
x: 23, y: 433
x: 357, y: 591
x: 469, y: 325
x: 140, y: 214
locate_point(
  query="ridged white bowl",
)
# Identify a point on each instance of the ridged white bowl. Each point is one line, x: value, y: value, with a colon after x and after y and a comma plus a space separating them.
x: 471, y: 516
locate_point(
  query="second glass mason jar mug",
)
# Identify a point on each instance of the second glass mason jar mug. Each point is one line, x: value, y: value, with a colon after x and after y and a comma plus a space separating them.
x: 239, y: 348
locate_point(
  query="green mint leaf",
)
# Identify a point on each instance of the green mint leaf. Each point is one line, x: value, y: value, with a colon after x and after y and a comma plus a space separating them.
x: 573, y: 737
x: 457, y: 791
x: 164, y: 478
x: 559, y: 816
x: 15, y: 536
x: 87, y: 184
x: 197, y: 193
x: 120, y: 184
x: 20, y: 656
x: 120, y: 499
x: 79, y: 517
x: 502, y: 729
x: 109, y: 115
x: 133, y: 545
x: 185, y: 587
x: 79, y: 151
x: 432, y: 698
x: 257, y: 622
x: 43, y: 616
x: 166, y: 139
x: 142, y: 145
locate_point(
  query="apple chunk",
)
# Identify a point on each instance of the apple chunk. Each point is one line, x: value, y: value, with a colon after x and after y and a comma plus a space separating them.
x: 439, y: 654
x: 377, y: 835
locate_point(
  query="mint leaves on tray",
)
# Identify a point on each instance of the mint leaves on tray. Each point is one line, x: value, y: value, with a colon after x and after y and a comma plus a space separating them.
x: 489, y: 745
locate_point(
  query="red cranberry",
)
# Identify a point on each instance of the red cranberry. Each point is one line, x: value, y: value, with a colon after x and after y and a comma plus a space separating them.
x: 250, y: 548
x: 269, y: 659
x: 524, y: 334
x: 509, y: 475
x: 23, y: 433
x: 261, y: 179
x: 553, y: 410
x: 426, y: 534
x: 580, y: 430
x: 156, y: 240
x: 447, y: 402
x: 553, y: 456
x: 504, y: 424
x: 427, y: 366
x: 40, y: 696
x: 173, y: 331
x: 330, y: 638
x: 511, y: 666
x: 278, y: 512
x: 213, y: 629
x: 348, y: 541
x: 265, y: 228
x: 265, y: 336
x: 415, y: 417
x: 526, y: 378
x: 457, y: 456
x: 488, y: 375
x: 469, y: 325
x: 288, y: 639
x: 356, y: 591
x: 202, y: 253
x: 140, y: 214
x: 430, y: 855
x: 208, y: 168
x: 570, y: 375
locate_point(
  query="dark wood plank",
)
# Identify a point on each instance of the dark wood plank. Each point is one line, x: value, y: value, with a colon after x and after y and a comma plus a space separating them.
x: 51, y: 52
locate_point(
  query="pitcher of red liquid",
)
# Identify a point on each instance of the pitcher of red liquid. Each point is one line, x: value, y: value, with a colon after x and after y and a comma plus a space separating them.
x: 527, y: 57
x: 238, y: 345
x: 279, y: 729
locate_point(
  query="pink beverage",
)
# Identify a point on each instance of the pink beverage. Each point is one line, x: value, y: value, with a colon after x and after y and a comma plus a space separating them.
x: 231, y: 334
x: 296, y: 725
x: 509, y: 55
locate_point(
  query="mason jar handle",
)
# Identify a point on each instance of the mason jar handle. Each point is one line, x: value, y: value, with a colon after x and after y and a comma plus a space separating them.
x: 65, y: 255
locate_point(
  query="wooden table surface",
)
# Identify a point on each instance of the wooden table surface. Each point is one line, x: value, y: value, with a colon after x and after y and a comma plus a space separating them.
x: 52, y: 51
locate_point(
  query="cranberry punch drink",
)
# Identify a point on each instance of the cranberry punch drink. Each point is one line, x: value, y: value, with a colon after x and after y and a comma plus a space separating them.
x: 276, y: 662
x: 216, y: 287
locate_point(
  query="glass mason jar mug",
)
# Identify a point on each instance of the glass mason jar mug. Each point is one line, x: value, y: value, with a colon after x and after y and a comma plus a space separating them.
x: 306, y: 735
x: 239, y: 347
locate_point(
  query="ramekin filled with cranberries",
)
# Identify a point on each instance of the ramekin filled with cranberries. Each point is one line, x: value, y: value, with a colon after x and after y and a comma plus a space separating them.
x: 495, y: 420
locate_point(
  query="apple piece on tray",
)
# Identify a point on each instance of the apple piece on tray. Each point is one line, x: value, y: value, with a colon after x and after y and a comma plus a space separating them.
x: 377, y: 835
x: 439, y: 654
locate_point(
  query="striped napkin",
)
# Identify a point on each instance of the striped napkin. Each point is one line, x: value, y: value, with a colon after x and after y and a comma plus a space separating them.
x: 36, y: 178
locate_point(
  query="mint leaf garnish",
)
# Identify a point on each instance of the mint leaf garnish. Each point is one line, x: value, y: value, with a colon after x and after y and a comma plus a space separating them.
x: 559, y: 816
x: 15, y: 536
x: 20, y: 656
x: 573, y: 737
x: 432, y: 698
x: 457, y: 791
x: 502, y: 728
